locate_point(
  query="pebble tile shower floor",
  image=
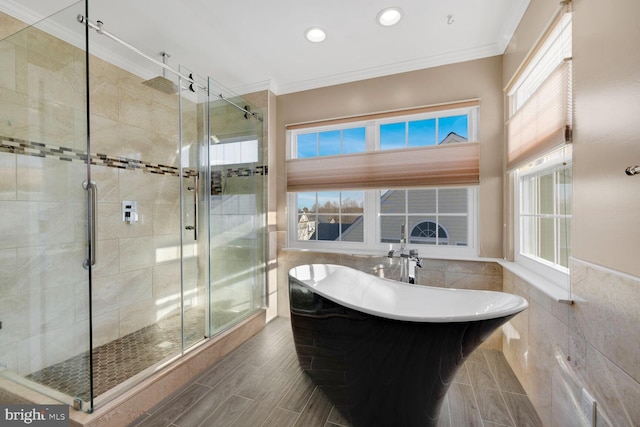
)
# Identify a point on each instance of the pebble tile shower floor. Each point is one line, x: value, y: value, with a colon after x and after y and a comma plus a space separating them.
x: 125, y: 357
x: 261, y: 384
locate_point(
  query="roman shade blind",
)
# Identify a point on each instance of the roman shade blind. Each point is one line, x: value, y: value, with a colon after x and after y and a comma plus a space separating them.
x: 445, y: 164
x: 543, y: 122
x: 454, y: 164
x: 540, y: 95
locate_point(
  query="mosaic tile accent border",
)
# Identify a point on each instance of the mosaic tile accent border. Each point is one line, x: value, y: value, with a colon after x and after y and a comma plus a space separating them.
x: 38, y: 149
x: 217, y: 175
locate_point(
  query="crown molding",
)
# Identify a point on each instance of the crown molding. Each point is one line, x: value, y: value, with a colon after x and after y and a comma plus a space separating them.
x: 20, y: 12
x: 514, y: 16
x: 485, y: 51
x: 76, y: 38
x: 255, y: 87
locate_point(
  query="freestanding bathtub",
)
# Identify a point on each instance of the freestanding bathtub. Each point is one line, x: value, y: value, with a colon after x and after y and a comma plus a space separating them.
x: 385, y: 352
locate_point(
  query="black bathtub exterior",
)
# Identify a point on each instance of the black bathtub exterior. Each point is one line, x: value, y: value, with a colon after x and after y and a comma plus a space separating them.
x: 379, y: 371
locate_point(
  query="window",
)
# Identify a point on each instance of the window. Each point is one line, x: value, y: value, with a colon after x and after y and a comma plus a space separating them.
x: 544, y: 212
x: 232, y: 152
x: 336, y: 171
x: 539, y: 155
x: 438, y: 220
x: 433, y: 216
x: 330, y: 216
x: 331, y: 142
x: 424, y: 132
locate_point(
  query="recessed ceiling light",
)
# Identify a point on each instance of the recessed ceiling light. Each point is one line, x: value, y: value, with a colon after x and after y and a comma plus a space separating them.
x: 389, y: 16
x: 315, y: 34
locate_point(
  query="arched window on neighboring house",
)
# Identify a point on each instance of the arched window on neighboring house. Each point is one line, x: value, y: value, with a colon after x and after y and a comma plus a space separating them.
x: 429, y: 232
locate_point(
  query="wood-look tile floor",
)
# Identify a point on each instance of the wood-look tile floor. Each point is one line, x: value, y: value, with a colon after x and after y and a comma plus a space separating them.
x: 260, y: 384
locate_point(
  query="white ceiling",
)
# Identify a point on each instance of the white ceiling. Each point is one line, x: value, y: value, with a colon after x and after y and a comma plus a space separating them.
x: 255, y: 45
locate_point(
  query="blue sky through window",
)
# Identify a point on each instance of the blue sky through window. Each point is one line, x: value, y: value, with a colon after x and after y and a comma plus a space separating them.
x: 422, y: 133
x: 306, y: 200
x: 392, y: 136
x: 331, y: 143
x: 353, y: 140
x: 307, y: 145
x: 417, y: 133
x: 457, y: 124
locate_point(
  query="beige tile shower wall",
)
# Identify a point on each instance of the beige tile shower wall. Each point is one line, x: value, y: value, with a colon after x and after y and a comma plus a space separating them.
x: 132, y: 120
x: 43, y: 288
x: 9, y: 25
x: 556, y: 350
x: 475, y: 275
x: 42, y: 89
x: 138, y: 277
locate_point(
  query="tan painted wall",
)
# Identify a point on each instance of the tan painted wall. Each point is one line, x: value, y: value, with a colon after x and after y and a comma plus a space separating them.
x: 556, y: 349
x: 607, y: 105
x: 607, y: 134
x: 474, y: 79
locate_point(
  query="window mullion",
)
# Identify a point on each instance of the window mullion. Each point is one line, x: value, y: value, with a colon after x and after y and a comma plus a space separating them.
x: 437, y: 215
x: 372, y: 136
x: 317, y: 216
x: 554, y: 216
x: 406, y: 134
x: 406, y: 216
x: 371, y: 223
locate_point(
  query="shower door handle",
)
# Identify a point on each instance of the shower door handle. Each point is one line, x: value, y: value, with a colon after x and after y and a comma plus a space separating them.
x: 92, y: 188
x: 194, y: 227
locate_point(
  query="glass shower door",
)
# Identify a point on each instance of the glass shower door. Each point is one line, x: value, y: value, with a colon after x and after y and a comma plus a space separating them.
x: 237, y: 212
x: 193, y: 170
x: 136, y: 293
x: 44, y: 289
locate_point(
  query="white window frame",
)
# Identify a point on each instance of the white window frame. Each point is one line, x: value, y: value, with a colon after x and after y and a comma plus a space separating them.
x: 556, y: 48
x: 372, y: 233
x: 371, y: 244
x: 440, y: 251
x: 372, y: 127
x: 473, y: 128
x: 554, y: 273
x: 370, y: 130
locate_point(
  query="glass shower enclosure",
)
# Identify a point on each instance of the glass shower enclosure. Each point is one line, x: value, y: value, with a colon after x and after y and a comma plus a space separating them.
x: 132, y: 213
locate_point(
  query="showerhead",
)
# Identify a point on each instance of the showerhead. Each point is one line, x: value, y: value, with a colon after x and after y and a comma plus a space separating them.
x: 162, y: 83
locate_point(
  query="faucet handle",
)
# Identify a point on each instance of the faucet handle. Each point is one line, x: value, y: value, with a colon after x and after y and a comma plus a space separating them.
x: 413, y: 254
